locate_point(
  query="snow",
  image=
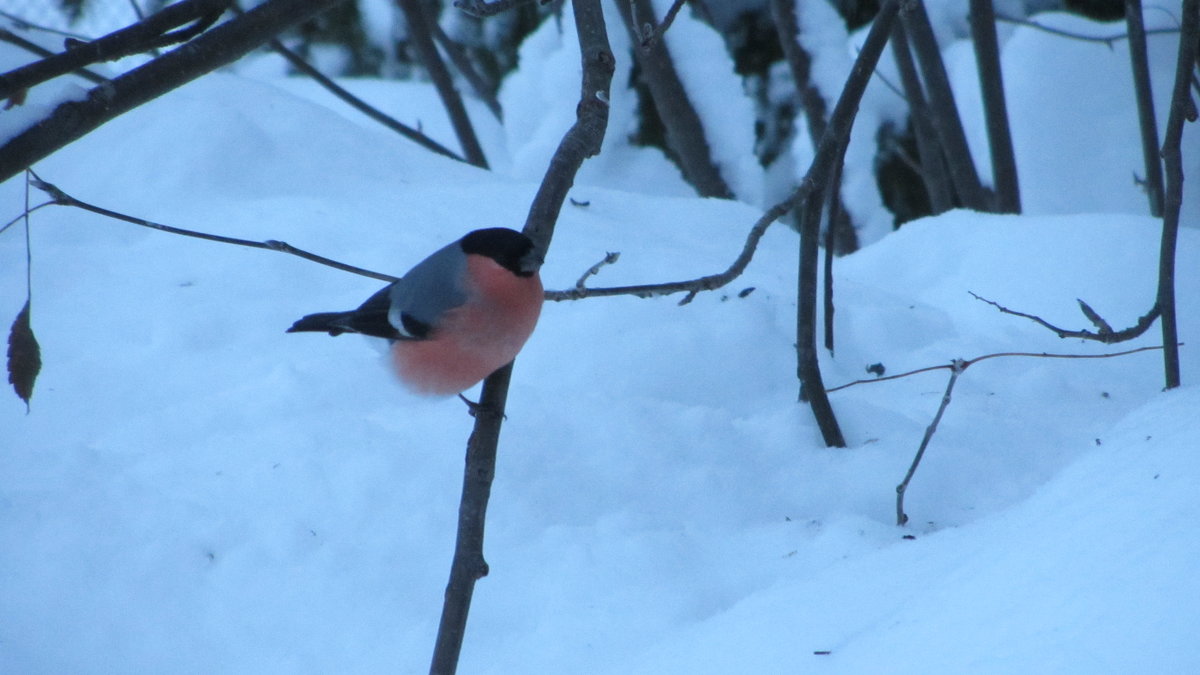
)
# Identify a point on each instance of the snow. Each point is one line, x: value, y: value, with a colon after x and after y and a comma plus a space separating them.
x: 715, y: 91
x: 196, y: 491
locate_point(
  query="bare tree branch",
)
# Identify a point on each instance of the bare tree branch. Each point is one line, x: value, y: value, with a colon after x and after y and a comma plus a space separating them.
x: 360, y: 105
x: 609, y: 258
x: 809, y: 198
x: 956, y: 369
x: 1108, y: 40
x: 141, y: 36
x: 482, y: 8
x: 691, y: 286
x: 932, y: 167
x: 60, y: 198
x: 221, y: 45
x: 580, y: 142
x: 421, y: 32
x: 1182, y: 107
x: 845, y: 239
x: 32, y: 47
x: 649, y: 33
x: 459, y: 57
x: 985, y: 357
x: 1147, y: 123
x: 685, y: 131
x: 944, y: 111
x: 995, y: 110
x: 1107, y: 337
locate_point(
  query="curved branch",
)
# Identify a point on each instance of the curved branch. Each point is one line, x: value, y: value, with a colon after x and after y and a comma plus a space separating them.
x: 691, y: 286
x: 1106, y: 334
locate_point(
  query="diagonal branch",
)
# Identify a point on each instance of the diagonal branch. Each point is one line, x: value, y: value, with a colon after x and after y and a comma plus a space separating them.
x: 420, y: 33
x: 60, y: 198
x: 482, y: 8
x: 32, y: 47
x: 649, y: 33
x: 141, y: 36
x: 360, y: 105
x: 459, y: 57
x: 221, y: 45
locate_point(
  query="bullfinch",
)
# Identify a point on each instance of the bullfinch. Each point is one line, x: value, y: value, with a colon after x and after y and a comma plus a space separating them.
x: 456, y: 317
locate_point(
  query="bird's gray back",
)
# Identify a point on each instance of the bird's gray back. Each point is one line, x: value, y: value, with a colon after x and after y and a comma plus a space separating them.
x: 431, y: 288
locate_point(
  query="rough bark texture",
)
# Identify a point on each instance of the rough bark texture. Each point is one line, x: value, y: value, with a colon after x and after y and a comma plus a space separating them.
x: 580, y: 142
x: 810, y: 199
x: 685, y: 132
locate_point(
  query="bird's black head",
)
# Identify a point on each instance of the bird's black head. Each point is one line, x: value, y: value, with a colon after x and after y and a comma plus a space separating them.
x: 510, y: 249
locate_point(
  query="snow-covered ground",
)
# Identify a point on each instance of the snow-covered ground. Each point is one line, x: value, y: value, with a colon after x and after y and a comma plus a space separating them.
x: 195, y: 491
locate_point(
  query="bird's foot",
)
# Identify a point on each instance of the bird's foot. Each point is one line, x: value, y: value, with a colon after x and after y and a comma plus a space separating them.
x: 477, y: 409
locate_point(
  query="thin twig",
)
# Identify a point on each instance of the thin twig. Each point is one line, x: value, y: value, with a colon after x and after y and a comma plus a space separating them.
x: 16, y: 220
x: 956, y: 368
x: 985, y: 357
x: 22, y: 22
x: 463, y: 63
x: 1108, y: 40
x: 420, y: 35
x: 692, y: 286
x: 360, y: 105
x: 219, y: 46
x: 481, y: 8
x: 159, y: 30
x: 34, y: 48
x: 609, y: 258
x: 649, y: 34
x: 63, y: 199
x: 1107, y: 337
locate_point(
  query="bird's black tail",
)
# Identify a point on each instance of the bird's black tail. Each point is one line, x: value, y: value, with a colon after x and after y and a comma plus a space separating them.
x: 334, y: 323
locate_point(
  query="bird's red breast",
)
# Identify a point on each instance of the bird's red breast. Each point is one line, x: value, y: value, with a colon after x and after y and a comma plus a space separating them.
x: 474, y: 339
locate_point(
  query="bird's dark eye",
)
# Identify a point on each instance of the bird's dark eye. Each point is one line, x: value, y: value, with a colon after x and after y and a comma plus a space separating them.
x: 412, y: 327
